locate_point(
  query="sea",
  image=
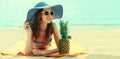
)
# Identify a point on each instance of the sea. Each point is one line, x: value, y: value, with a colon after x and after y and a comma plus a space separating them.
x: 79, y: 13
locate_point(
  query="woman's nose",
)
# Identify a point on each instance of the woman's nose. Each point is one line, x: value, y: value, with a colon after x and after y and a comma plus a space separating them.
x: 49, y: 16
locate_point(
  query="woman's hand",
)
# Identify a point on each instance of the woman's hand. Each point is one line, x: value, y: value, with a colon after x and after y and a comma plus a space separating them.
x: 40, y: 52
x: 27, y: 27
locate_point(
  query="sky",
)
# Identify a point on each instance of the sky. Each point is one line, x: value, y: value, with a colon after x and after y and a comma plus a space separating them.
x: 78, y: 12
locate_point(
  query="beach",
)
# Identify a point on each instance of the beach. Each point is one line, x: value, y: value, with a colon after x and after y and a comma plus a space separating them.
x: 101, y: 43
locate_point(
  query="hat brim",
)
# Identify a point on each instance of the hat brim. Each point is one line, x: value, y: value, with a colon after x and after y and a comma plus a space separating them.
x: 57, y: 9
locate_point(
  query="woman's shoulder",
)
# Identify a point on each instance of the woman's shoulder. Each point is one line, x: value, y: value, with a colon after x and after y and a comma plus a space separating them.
x: 54, y: 25
x: 55, y: 28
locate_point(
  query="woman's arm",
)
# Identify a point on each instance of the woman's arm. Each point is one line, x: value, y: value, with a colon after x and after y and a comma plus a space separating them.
x: 28, y: 47
x: 44, y: 52
x: 56, y: 34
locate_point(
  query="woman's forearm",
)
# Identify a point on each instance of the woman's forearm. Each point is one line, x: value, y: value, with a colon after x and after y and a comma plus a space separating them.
x: 28, y: 47
x: 54, y: 50
x: 44, y: 52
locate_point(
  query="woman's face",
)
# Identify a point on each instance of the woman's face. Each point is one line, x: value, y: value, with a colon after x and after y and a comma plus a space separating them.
x: 47, y: 15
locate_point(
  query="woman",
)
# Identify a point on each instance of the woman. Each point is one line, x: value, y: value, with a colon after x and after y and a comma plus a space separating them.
x: 40, y: 28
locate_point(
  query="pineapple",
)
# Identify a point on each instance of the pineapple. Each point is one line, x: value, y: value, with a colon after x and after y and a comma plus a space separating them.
x: 64, y: 44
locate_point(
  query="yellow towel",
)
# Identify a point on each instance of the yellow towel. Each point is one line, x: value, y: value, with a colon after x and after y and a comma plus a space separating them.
x: 75, y: 49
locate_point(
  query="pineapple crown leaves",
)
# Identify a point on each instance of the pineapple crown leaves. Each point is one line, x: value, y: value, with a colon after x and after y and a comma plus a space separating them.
x: 64, y: 29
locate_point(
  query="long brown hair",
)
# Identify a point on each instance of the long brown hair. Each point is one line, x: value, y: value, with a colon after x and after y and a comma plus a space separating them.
x: 36, y: 26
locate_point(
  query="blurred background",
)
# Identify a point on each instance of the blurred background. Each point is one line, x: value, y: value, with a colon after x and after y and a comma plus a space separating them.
x: 79, y: 13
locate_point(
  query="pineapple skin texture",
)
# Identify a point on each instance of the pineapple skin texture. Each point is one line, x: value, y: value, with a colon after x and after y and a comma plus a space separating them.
x: 64, y: 46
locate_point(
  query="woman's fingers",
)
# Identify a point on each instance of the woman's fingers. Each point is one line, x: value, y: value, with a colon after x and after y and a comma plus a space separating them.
x: 27, y: 23
x: 39, y: 52
x: 35, y: 52
x: 27, y: 26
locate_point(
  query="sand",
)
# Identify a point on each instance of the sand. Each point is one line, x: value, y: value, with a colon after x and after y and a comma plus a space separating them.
x: 101, y: 43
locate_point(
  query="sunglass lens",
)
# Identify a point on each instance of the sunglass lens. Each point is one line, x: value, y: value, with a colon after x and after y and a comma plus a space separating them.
x: 46, y: 12
x: 51, y: 13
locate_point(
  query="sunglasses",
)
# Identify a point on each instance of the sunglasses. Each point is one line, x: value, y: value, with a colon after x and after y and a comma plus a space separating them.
x: 47, y: 13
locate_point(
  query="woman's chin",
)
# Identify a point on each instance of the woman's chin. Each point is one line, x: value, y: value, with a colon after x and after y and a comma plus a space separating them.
x: 49, y: 22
